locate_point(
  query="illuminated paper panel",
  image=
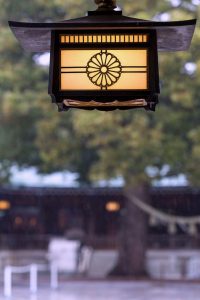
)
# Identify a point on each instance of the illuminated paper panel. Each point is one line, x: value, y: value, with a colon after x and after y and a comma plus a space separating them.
x: 104, y: 69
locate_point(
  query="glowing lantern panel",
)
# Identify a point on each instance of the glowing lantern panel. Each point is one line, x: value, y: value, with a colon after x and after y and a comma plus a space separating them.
x: 104, y: 71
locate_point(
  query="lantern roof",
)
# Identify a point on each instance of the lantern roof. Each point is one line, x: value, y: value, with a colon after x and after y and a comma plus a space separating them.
x: 171, y: 36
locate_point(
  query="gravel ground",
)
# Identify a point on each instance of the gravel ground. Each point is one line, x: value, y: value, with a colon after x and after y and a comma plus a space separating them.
x: 108, y: 290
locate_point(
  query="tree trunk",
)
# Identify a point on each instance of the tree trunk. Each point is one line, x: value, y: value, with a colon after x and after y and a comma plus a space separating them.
x: 133, y: 236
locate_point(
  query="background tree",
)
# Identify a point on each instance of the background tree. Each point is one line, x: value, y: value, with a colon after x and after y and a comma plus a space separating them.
x: 25, y: 106
x: 135, y: 145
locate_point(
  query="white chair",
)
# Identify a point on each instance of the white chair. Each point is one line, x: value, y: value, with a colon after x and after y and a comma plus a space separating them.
x: 33, y: 270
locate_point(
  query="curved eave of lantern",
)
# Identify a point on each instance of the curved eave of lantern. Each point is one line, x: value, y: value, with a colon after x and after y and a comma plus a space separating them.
x: 171, y: 36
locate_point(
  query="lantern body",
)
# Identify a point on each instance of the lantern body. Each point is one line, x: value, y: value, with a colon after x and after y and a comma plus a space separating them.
x: 104, y: 69
x: 104, y: 60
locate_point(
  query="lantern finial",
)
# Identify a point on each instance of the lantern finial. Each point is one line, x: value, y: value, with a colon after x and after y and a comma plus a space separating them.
x: 106, y: 4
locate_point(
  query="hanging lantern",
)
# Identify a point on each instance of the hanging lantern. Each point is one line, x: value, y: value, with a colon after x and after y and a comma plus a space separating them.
x: 104, y: 60
x: 4, y: 205
x: 172, y: 228
x: 153, y: 221
x: 192, y: 229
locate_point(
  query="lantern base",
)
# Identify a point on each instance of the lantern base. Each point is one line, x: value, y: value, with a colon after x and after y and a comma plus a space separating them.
x: 108, y: 106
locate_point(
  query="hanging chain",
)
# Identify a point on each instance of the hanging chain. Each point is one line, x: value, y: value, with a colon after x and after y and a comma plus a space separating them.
x: 106, y: 4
